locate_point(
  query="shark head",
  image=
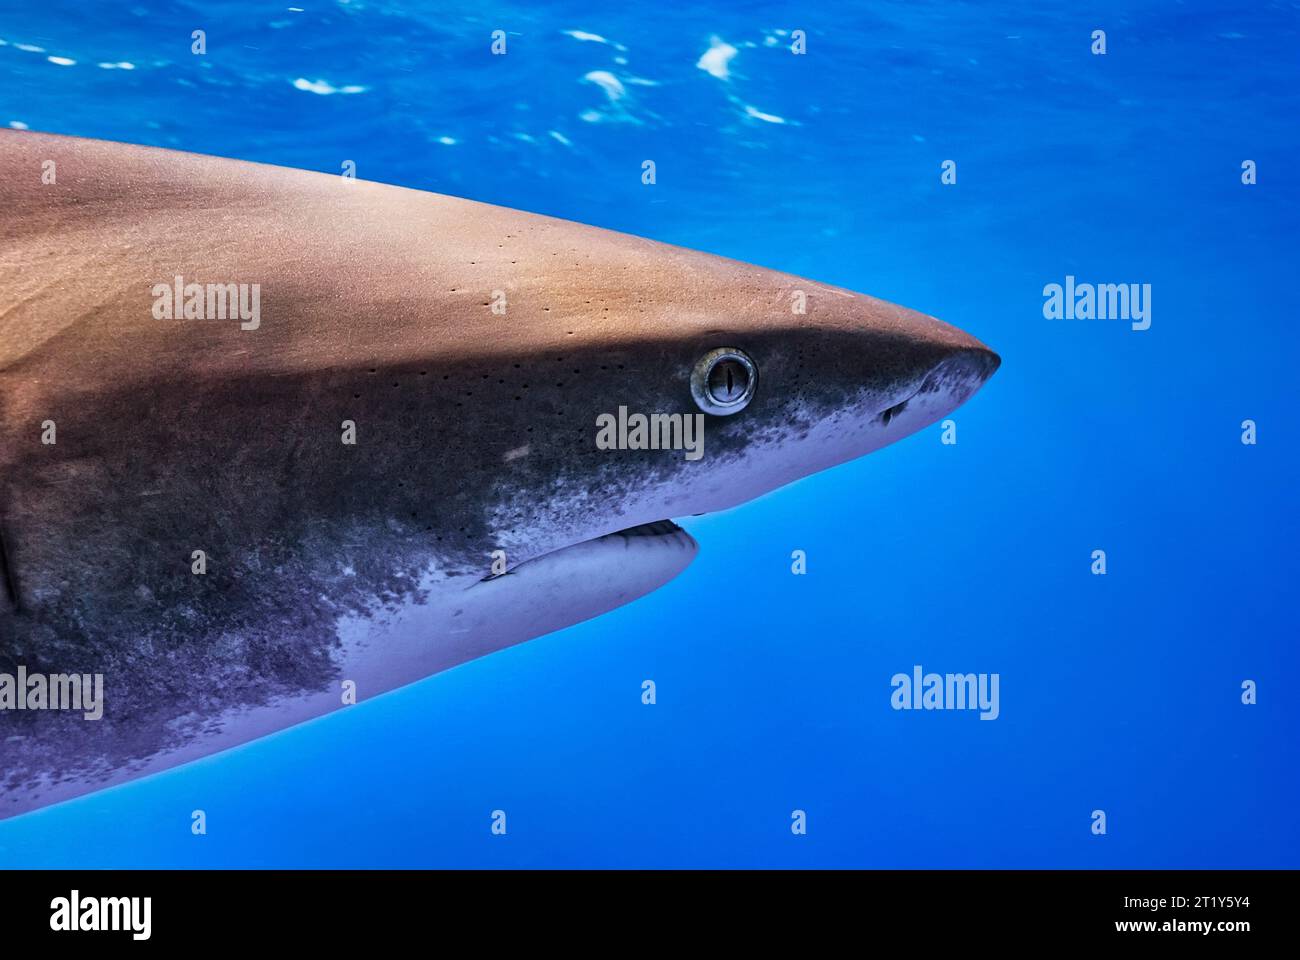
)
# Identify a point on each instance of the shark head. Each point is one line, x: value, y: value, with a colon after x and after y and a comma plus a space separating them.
x: 692, y: 384
x: 689, y: 384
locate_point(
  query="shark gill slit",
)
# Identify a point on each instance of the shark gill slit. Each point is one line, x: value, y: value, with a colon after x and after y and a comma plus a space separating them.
x: 7, y: 573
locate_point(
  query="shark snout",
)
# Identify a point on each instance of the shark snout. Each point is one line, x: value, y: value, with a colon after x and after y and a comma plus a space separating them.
x: 952, y: 355
x: 943, y: 383
x: 975, y: 363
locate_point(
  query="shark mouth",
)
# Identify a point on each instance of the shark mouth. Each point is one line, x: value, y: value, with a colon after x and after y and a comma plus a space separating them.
x: 665, y: 532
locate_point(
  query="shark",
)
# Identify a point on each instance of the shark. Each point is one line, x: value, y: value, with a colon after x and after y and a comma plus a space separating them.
x: 272, y: 440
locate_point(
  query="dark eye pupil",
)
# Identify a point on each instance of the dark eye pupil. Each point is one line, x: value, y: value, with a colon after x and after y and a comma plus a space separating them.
x: 728, y: 380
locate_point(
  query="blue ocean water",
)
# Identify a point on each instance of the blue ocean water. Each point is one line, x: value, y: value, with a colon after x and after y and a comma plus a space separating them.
x: 1119, y: 692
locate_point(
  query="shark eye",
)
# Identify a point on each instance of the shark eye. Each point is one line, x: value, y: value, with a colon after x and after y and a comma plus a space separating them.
x: 723, y: 381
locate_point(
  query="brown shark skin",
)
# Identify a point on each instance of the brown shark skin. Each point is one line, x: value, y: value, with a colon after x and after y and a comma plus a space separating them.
x: 177, y: 435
